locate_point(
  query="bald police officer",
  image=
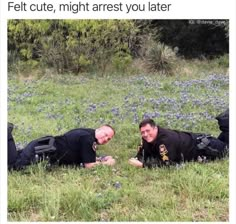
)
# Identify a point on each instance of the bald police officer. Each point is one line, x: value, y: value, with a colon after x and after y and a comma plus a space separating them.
x: 164, y: 147
x: 76, y: 147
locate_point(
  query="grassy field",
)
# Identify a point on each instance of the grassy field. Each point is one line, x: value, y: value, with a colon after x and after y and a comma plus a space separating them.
x: 54, y: 105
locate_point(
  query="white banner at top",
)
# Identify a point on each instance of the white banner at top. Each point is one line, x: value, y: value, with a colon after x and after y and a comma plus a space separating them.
x: 117, y: 9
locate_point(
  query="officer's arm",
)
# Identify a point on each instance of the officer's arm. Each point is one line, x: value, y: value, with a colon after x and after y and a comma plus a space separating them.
x: 107, y: 160
x: 137, y: 160
x: 89, y: 165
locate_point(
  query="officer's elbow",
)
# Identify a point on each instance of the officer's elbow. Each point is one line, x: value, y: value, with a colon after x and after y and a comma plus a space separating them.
x: 89, y: 165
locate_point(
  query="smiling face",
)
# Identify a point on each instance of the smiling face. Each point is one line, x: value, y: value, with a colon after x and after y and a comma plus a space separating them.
x: 148, y: 132
x: 104, y: 134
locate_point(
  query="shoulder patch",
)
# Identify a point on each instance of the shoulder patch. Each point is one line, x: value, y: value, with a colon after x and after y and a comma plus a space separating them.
x: 162, y: 148
x: 163, y: 152
x: 140, y: 145
x: 94, y: 146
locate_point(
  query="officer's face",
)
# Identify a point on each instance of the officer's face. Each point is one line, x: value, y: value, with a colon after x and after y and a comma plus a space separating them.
x: 104, y: 135
x: 148, y: 133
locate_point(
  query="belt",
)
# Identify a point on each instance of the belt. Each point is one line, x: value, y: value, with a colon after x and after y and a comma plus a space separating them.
x: 202, y: 141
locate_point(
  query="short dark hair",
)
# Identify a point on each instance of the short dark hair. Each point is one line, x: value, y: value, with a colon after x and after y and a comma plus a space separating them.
x: 147, y: 121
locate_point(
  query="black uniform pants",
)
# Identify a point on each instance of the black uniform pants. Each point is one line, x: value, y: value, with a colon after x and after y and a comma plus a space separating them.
x: 12, y: 153
x: 20, y: 159
x: 216, y: 147
x: 210, y: 147
x: 223, y: 122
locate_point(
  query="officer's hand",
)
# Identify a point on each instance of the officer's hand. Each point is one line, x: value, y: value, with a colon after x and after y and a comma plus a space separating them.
x: 105, y: 158
x: 109, y: 161
x: 135, y: 162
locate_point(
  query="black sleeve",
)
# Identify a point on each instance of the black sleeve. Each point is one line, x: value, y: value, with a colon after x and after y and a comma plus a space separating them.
x: 171, y: 151
x: 139, y: 154
x: 88, y: 150
x: 142, y: 155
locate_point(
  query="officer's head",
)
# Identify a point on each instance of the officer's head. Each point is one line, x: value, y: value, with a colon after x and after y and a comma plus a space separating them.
x: 104, y: 134
x: 148, y: 130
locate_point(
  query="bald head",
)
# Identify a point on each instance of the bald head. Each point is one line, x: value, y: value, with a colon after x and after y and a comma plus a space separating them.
x: 104, y: 134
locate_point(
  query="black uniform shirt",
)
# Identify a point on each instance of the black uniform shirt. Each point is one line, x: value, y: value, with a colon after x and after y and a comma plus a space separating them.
x: 76, y: 146
x: 179, y: 146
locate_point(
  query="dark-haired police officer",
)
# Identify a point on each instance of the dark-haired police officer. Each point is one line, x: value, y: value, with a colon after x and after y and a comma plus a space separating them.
x: 76, y: 147
x: 164, y: 147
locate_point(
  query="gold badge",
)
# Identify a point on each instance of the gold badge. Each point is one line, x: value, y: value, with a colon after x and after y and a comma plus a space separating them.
x: 94, y: 146
x: 140, y: 146
x: 163, y: 152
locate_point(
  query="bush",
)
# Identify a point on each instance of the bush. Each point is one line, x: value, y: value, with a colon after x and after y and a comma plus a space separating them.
x: 121, y: 61
x: 194, y: 38
x: 223, y: 61
x: 73, y: 45
x: 160, y: 58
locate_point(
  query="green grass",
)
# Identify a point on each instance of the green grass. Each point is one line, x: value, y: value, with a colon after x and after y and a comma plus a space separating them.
x: 54, y: 105
x: 195, y: 192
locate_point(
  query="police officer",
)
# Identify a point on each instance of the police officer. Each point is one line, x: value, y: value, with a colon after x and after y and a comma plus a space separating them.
x: 76, y: 147
x: 164, y: 147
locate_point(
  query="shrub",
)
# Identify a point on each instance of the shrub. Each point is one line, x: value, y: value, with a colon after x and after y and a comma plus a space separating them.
x: 121, y: 61
x: 160, y: 58
x: 74, y: 45
x: 27, y: 68
x: 223, y: 61
x: 53, y: 52
x: 208, y: 38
